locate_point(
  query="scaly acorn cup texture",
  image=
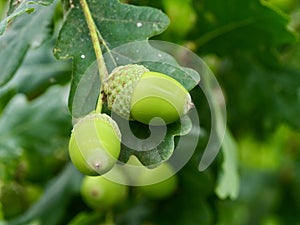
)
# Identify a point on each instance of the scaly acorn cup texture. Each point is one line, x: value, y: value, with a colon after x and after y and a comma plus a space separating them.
x: 134, y: 92
x: 95, y: 144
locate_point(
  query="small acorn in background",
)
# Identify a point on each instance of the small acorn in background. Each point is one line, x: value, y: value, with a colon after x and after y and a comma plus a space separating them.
x: 134, y: 92
x: 95, y: 144
x: 101, y: 193
x: 155, y: 186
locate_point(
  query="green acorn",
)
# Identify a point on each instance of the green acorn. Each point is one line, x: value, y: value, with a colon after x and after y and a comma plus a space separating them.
x: 95, y: 144
x: 100, y: 193
x: 154, y: 189
x: 134, y: 92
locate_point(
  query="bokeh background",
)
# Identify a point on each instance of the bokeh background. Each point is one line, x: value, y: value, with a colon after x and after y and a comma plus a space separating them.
x: 253, y: 49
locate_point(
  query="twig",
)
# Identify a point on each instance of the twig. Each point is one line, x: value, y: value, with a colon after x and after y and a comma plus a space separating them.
x: 96, y: 44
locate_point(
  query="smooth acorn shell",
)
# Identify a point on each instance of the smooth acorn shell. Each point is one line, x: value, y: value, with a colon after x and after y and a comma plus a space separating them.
x: 134, y: 92
x: 161, y: 189
x: 101, y: 193
x: 159, y: 96
x: 94, y: 146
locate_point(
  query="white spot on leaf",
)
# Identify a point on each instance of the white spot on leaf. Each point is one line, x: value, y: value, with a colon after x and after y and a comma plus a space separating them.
x: 139, y: 24
x: 52, y: 80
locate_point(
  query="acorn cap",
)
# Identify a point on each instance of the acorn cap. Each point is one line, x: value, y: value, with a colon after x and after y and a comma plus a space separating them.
x: 119, y: 87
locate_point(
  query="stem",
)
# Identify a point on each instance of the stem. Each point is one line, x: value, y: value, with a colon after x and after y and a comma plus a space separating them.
x: 109, y: 219
x: 107, y: 48
x: 96, y: 44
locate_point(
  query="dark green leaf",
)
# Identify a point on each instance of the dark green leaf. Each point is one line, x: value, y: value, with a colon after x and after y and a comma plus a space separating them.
x: 160, y: 144
x: 272, y: 94
x: 228, y: 27
x: 189, y: 202
x: 87, y: 92
x: 41, y: 69
x: 44, y: 120
x: 26, y: 31
x: 118, y: 24
x: 187, y: 77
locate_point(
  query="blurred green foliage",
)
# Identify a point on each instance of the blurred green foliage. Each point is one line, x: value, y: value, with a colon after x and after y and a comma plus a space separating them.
x: 253, y: 49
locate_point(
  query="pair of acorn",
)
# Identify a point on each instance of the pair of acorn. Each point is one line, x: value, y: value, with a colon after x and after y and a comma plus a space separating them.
x: 135, y: 93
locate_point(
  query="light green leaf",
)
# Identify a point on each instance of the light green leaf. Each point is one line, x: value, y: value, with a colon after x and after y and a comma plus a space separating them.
x: 228, y: 184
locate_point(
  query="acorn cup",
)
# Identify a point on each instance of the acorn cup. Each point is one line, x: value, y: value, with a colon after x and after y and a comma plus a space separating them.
x: 95, y: 144
x: 133, y: 92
